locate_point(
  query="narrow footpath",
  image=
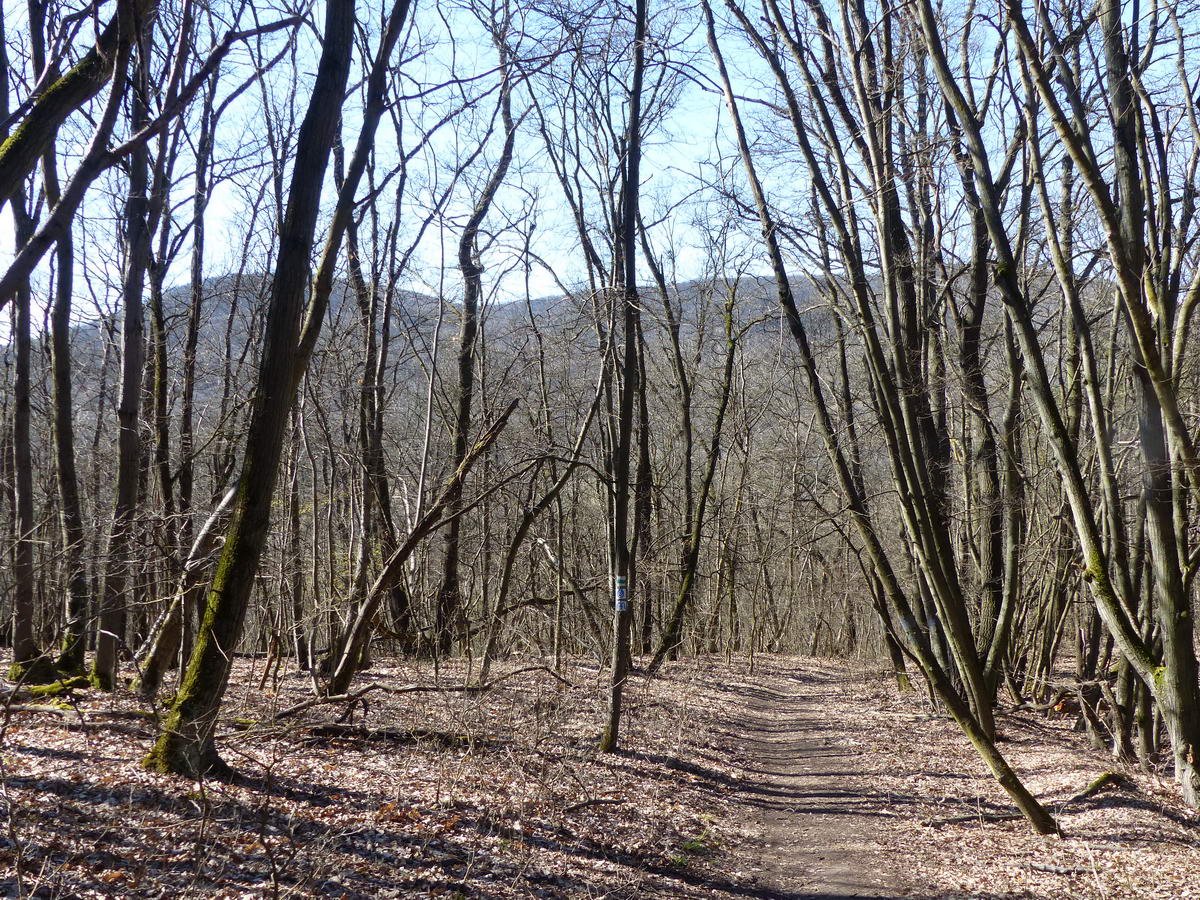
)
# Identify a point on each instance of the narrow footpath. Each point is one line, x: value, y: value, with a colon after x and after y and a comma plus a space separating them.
x: 815, y: 806
x: 849, y: 790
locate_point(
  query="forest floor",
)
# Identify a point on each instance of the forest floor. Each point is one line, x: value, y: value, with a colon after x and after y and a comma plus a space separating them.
x: 801, y: 779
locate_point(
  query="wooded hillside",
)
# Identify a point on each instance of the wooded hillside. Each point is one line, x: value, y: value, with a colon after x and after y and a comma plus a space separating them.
x: 492, y: 335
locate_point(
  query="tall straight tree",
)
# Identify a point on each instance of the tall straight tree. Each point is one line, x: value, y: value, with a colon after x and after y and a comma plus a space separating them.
x: 138, y: 231
x: 70, y: 509
x: 28, y: 662
x: 624, y: 287
x: 450, y: 600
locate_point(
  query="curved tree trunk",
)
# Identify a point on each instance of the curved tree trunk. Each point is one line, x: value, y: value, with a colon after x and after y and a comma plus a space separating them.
x: 185, y: 745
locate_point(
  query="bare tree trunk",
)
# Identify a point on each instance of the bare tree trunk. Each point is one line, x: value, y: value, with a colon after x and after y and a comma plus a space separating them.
x: 70, y: 660
x: 295, y: 555
x: 432, y: 519
x: 186, y: 468
x: 1178, y: 687
x: 626, y: 291
x: 966, y: 716
x: 28, y: 662
x: 186, y: 743
x: 672, y: 634
x: 530, y: 517
x: 450, y: 622
x: 137, y: 256
x: 162, y: 645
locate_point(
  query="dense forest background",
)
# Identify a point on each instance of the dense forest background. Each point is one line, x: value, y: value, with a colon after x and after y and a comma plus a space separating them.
x: 493, y: 329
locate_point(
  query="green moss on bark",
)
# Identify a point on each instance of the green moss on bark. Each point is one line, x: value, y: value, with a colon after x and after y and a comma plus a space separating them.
x: 100, y: 680
x: 60, y: 686
x: 185, y: 745
x: 37, y: 671
x: 29, y: 139
x: 171, y: 755
x: 1159, y: 675
x: 70, y: 661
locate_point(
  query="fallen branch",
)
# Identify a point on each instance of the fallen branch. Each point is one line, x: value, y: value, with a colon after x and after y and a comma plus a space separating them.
x: 346, y: 657
x: 595, y: 801
x: 404, y: 736
x: 41, y: 708
x: 1108, y: 779
x: 1056, y: 870
x: 973, y: 817
x: 414, y: 689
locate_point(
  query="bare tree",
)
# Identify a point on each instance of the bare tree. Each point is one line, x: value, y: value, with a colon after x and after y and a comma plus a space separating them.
x: 186, y: 744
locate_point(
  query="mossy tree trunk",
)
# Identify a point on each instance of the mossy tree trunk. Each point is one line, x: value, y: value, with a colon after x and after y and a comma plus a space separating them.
x: 66, y: 93
x: 185, y: 745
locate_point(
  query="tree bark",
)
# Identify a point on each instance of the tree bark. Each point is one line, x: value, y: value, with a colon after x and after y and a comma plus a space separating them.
x: 61, y: 95
x: 186, y: 744
x: 137, y: 257
x: 626, y: 292
x: 450, y: 622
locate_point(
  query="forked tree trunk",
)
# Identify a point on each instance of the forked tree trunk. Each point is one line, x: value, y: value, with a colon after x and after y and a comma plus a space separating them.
x: 1177, y: 685
x: 185, y: 745
x: 966, y: 717
x: 672, y: 635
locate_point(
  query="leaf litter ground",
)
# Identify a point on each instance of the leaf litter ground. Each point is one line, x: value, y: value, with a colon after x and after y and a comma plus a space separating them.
x: 502, y: 795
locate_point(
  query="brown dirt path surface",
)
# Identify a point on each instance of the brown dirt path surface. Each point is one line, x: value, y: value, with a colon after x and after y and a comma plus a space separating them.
x: 814, y: 802
x: 804, y: 779
x: 858, y: 791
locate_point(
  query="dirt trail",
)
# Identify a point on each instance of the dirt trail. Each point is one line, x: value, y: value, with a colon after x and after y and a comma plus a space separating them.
x: 815, y: 806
